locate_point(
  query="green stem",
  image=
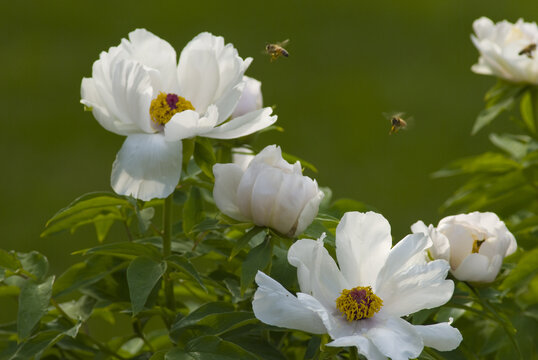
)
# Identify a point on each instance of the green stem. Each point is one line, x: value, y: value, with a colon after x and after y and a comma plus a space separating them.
x: 167, y: 251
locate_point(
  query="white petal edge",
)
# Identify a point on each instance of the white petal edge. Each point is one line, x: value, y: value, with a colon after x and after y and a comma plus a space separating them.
x: 244, y: 125
x: 310, y: 211
x: 147, y: 167
x: 442, y: 336
x: 396, y: 338
x: 227, y: 179
x: 276, y: 306
x: 188, y: 124
x: 363, y: 243
x: 363, y: 345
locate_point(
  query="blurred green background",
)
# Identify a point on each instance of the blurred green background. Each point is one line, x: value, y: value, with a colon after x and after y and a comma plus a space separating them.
x: 349, y: 62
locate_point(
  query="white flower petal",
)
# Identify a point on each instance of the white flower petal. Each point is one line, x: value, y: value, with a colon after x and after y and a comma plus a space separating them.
x: 211, y: 68
x: 227, y: 178
x: 442, y: 336
x: 276, y: 306
x: 188, y: 124
x: 478, y: 268
x: 263, y: 198
x: 251, y: 98
x: 396, y: 338
x: 363, y: 243
x: 244, y: 125
x: 147, y: 167
x: 132, y: 93
x: 228, y: 102
x: 317, y: 272
x: 198, y: 74
x: 91, y: 97
x: 156, y: 53
x: 420, y: 287
x: 310, y: 211
x: 363, y: 345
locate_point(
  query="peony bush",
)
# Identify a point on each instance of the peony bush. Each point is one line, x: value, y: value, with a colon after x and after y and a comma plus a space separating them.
x: 231, y: 252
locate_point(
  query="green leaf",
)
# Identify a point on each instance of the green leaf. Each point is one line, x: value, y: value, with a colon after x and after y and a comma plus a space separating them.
x: 182, y: 263
x: 192, y: 210
x: 33, y: 304
x: 257, y: 259
x: 89, y: 208
x: 142, y: 275
x: 487, y: 115
x: 86, y: 273
x: 243, y: 241
x: 341, y: 206
x: 37, y: 344
x: 126, y: 249
x: 34, y: 263
x: 102, y: 224
x: 210, y: 348
x: 205, y: 156
x: 516, y: 146
x: 527, y: 113
x: 526, y: 267
x: 8, y: 260
x: 488, y: 163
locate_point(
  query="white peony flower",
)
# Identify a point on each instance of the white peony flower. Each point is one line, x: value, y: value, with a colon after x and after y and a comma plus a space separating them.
x: 270, y: 192
x: 138, y: 90
x: 507, y: 50
x: 361, y: 303
x: 474, y: 244
x: 251, y: 98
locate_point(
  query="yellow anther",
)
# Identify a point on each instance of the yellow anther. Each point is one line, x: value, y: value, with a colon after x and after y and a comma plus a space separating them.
x: 164, y: 106
x: 358, y: 303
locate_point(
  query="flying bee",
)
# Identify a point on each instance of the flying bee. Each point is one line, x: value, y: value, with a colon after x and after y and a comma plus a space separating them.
x: 528, y: 50
x: 277, y: 50
x: 396, y: 122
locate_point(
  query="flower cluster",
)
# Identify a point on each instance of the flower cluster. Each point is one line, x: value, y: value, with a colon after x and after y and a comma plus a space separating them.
x: 139, y: 90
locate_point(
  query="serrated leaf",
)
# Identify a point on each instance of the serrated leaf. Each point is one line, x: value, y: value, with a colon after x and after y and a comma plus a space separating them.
x: 525, y: 268
x: 143, y: 274
x: 185, y: 265
x: 127, y: 250
x: 527, y: 112
x: 243, y: 241
x: 210, y: 348
x: 33, y: 304
x: 8, y: 260
x: 85, y: 210
x: 204, y: 155
x: 257, y: 259
x: 192, y: 210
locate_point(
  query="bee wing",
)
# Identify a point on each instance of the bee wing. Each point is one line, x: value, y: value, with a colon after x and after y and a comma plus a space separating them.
x: 283, y: 43
x: 390, y: 115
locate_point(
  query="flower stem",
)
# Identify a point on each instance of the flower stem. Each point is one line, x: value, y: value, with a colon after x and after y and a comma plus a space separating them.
x: 167, y: 251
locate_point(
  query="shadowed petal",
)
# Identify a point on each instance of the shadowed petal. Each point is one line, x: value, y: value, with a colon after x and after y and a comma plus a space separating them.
x: 276, y: 306
x: 147, y: 167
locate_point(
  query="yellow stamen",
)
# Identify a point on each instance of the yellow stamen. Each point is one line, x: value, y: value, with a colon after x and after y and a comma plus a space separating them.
x: 476, y: 245
x: 358, y: 303
x: 164, y: 106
